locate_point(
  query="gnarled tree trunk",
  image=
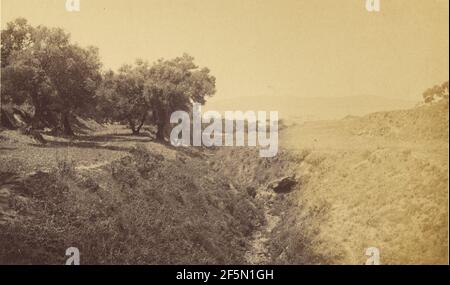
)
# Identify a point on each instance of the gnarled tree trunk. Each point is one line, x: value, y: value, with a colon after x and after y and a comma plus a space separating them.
x: 160, y: 132
x: 136, y: 129
x: 68, y: 131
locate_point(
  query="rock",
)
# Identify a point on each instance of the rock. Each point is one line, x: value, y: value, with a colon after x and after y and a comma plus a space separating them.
x: 13, y: 118
x: 251, y: 191
x: 6, y: 214
x: 4, y: 197
x: 283, y: 185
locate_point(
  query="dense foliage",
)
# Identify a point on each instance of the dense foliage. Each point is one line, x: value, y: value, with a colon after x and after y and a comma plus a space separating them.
x: 59, y: 80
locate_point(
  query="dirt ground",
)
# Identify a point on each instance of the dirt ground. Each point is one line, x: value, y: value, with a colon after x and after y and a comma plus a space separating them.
x: 22, y: 154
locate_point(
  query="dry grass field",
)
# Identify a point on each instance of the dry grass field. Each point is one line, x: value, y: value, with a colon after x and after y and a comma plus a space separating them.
x: 380, y: 180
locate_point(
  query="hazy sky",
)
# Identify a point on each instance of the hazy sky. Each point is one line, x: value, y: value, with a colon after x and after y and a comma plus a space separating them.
x: 268, y: 47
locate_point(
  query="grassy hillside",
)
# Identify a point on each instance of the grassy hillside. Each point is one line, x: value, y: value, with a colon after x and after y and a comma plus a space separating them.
x: 380, y: 180
x: 147, y: 207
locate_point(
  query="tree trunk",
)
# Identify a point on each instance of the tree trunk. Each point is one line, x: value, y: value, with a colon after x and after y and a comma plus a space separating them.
x: 144, y: 116
x: 68, y: 131
x: 36, y: 122
x: 135, y: 130
x: 160, y: 132
x: 160, y: 117
x: 56, y: 121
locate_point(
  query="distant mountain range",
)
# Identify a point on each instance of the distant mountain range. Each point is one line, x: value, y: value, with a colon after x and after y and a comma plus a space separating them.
x: 309, y: 109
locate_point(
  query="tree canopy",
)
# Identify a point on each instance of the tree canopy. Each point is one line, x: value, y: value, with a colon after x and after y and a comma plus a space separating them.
x: 141, y: 92
x: 435, y: 93
x: 58, y: 79
x: 121, y: 98
x: 45, y: 70
x: 174, y: 85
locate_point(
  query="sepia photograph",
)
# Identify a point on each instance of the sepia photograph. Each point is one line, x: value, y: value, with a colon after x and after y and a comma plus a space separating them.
x: 224, y: 132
